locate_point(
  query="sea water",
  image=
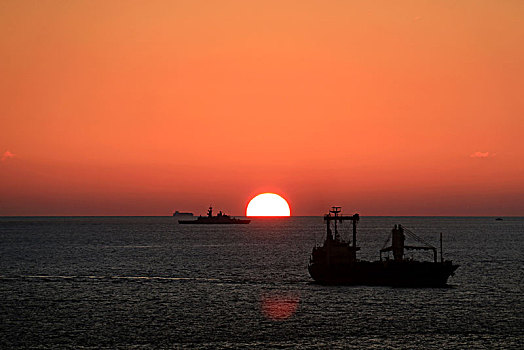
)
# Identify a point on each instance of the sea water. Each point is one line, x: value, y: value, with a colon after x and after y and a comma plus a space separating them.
x: 147, y: 282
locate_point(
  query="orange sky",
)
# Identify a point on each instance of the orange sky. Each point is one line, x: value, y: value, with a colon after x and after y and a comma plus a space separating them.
x: 144, y: 107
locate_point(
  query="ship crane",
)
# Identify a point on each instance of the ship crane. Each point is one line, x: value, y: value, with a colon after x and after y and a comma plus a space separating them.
x: 397, y: 244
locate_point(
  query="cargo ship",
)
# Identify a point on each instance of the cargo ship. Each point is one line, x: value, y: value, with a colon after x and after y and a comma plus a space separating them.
x: 219, y: 219
x: 336, y: 262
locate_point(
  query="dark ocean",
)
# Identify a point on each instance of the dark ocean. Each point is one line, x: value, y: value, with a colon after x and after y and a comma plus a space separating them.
x: 147, y: 282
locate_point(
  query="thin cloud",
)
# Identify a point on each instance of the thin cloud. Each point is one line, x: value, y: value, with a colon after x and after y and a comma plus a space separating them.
x: 482, y: 155
x: 7, y: 155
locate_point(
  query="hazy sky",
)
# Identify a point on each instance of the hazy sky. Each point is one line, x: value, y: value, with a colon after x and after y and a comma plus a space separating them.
x: 144, y: 107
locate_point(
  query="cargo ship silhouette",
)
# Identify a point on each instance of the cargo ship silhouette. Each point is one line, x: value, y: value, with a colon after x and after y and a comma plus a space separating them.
x: 336, y: 263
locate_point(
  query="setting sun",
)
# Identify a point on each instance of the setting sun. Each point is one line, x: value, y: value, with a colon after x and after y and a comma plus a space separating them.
x: 268, y: 204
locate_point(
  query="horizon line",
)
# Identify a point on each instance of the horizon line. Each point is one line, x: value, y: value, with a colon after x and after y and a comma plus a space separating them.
x: 254, y: 217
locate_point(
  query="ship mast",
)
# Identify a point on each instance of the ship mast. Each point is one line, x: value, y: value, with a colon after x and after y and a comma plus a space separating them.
x: 441, y: 253
x: 335, y: 211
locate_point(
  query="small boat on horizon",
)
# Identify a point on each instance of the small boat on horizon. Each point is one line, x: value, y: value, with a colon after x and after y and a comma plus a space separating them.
x: 219, y: 219
x: 182, y: 214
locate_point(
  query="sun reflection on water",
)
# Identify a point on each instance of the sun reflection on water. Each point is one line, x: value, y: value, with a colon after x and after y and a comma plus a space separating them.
x: 279, y: 307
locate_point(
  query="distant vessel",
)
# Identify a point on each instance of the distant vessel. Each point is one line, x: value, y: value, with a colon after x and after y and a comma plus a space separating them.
x: 336, y: 261
x: 220, y: 219
x: 182, y: 214
x: 499, y: 219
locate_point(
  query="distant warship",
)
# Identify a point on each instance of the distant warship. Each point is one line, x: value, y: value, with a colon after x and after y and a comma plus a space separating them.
x: 336, y: 261
x: 220, y: 219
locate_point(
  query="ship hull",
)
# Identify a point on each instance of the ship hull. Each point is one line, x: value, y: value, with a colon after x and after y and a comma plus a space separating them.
x: 384, y: 273
x: 214, y: 222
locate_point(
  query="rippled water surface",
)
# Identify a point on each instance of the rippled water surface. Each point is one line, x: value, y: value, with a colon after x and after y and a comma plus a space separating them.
x: 146, y: 282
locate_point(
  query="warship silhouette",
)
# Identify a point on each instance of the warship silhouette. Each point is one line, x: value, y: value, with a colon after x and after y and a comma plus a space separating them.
x: 220, y: 219
x: 336, y: 262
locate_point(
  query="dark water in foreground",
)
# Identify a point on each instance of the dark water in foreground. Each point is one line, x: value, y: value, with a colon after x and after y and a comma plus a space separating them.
x: 145, y: 282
